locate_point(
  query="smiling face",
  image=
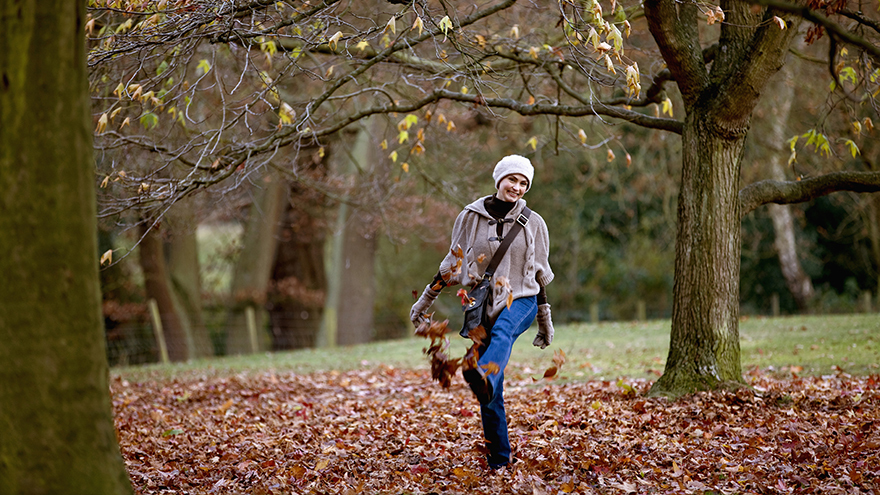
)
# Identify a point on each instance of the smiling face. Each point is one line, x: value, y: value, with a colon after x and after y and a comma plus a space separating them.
x: 512, y: 187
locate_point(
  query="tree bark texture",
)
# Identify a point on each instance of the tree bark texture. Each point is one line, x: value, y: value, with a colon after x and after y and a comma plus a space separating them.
x: 704, y: 351
x: 157, y: 283
x: 56, y: 423
x: 719, y: 98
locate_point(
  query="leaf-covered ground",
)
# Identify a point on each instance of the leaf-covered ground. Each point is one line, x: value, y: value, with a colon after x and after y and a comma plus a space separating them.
x: 395, y: 431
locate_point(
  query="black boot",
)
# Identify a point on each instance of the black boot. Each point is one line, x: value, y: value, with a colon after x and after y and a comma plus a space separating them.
x: 479, y: 384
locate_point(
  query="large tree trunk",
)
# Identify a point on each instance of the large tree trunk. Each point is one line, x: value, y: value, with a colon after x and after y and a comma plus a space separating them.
x: 704, y: 351
x: 158, y: 287
x: 57, y: 433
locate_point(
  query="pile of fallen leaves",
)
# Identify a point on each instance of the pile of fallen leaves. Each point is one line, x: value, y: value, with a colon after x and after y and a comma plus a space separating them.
x: 391, y: 430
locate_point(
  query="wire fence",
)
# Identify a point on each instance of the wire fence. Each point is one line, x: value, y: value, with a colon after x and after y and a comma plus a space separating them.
x: 138, y: 341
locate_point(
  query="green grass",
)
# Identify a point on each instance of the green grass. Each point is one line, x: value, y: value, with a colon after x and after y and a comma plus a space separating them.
x: 606, y: 351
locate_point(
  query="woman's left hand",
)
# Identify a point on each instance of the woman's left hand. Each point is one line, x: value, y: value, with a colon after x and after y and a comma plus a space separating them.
x: 545, y: 327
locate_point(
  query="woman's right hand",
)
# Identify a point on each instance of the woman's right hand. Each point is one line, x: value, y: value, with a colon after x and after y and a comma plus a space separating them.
x: 419, y: 310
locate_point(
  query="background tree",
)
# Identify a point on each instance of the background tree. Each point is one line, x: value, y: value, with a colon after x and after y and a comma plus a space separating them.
x: 305, y: 72
x: 58, y: 434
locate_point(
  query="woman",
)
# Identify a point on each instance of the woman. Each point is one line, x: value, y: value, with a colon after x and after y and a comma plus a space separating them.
x: 523, y: 273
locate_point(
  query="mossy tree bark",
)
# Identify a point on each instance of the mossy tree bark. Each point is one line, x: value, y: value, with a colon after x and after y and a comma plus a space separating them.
x: 720, y: 89
x: 704, y: 351
x: 56, y: 424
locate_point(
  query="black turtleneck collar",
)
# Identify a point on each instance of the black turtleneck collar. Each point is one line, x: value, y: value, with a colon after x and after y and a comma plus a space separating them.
x: 496, y: 207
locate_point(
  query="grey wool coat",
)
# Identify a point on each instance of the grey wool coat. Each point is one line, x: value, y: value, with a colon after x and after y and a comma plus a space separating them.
x: 525, y: 266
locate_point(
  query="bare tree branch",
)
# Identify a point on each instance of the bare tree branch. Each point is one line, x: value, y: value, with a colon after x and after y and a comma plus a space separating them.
x: 788, y: 192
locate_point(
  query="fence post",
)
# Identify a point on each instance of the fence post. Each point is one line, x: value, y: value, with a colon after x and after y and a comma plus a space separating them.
x: 594, y: 312
x: 774, y: 304
x: 160, y: 333
x: 641, y: 312
x: 866, y: 301
x: 251, y: 319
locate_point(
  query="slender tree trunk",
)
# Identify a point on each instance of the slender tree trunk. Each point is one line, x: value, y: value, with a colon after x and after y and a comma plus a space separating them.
x: 158, y: 287
x: 799, y: 283
x: 704, y: 350
x: 349, y: 308
x: 253, y: 270
x: 357, y: 292
x: 56, y: 422
x: 183, y: 267
x: 874, y: 236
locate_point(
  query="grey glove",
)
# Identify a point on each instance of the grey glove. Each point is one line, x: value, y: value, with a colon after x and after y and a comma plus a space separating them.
x: 417, y: 313
x: 545, y: 327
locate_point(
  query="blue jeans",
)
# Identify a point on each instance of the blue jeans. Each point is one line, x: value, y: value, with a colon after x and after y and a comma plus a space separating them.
x: 511, y: 323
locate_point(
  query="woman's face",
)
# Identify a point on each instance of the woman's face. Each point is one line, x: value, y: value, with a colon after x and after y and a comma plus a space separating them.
x: 512, y: 187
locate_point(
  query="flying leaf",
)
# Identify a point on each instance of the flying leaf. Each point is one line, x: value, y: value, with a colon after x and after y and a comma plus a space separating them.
x: 559, y: 357
x: 491, y: 368
x: 533, y: 142
x: 550, y: 372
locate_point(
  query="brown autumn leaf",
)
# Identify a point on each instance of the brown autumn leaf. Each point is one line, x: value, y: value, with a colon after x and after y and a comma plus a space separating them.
x: 491, y: 368
x: 477, y: 335
x: 559, y: 357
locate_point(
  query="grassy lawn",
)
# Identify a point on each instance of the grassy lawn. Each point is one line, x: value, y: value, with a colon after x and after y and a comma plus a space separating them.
x: 805, y: 345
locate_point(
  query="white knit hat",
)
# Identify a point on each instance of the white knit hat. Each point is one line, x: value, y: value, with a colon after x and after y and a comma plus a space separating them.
x: 513, y: 164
